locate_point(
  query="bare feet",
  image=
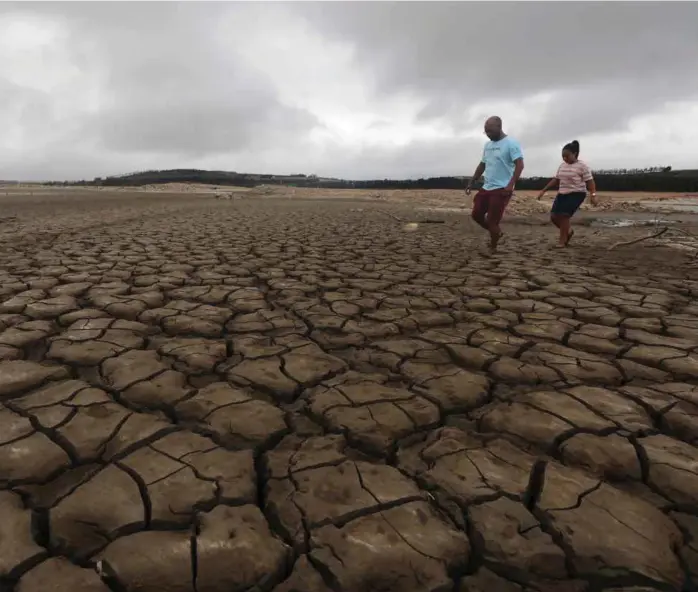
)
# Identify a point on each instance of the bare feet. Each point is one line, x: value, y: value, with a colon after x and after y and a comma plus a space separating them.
x: 564, y: 241
x: 494, y: 241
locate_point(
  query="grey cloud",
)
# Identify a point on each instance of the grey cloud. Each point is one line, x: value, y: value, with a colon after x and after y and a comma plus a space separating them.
x: 175, y: 90
x: 607, y: 108
x: 422, y: 158
x: 575, y: 113
x: 63, y: 164
x: 169, y: 87
x: 200, y: 128
x: 456, y: 53
x: 27, y: 107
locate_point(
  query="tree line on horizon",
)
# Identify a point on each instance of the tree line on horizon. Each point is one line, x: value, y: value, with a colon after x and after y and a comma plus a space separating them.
x: 651, y: 179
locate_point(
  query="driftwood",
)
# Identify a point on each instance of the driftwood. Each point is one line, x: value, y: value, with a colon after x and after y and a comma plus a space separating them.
x: 684, y: 232
x: 404, y: 221
x: 664, y: 230
x: 637, y: 240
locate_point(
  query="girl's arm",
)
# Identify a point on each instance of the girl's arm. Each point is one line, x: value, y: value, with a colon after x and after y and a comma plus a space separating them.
x: 591, y: 187
x: 591, y: 184
x: 554, y: 182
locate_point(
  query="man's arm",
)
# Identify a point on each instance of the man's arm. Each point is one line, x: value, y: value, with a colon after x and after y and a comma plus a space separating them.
x: 518, y: 169
x: 517, y: 156
x: 477, y: 174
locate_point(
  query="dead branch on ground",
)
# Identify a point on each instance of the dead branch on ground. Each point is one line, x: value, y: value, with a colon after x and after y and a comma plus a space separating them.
x: 664, y: 230
x: 637, y: 240
x: 403, y: 220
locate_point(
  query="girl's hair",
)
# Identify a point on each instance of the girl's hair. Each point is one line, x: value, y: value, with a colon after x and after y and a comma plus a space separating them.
x: 572, y: 147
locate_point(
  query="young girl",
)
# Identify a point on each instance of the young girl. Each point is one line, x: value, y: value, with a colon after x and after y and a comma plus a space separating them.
x: 573, y: 179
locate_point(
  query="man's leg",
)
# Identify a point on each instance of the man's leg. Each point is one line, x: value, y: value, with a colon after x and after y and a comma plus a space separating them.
x: 481, y: 204
x: 498, y: 203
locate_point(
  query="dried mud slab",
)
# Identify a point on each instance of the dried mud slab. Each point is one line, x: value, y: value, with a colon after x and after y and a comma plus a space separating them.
x: 57, y: 573
x: 374, y: 416
x: 18, y: 551
x: 599, y: 525
x: 282, y: 367
x: 232, y: 549
x: 302, y: 497
x: 404, y: 548
x: 17, y: 376
x: 159, y: 485
x: 234, y: 417
x: 577, y: 521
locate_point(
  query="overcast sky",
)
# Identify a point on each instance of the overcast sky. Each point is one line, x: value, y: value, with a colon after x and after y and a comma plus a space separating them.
x: 348, y: 89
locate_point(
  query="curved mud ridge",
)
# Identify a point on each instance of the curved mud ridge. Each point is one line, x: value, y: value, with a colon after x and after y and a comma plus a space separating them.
x: 211, y: 396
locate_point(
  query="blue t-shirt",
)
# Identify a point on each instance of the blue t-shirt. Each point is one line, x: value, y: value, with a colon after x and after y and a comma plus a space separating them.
x: 499, y: 160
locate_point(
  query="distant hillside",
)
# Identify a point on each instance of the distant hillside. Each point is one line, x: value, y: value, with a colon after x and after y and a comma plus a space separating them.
x: 687, y: 173
x: 655, y: 179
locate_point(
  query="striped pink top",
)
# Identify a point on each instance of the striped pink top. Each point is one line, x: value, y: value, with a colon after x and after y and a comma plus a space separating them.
x: 573, y: 177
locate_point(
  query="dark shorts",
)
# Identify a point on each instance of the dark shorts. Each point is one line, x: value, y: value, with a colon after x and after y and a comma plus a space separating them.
x: 492, y: 203
x: 567, y: 204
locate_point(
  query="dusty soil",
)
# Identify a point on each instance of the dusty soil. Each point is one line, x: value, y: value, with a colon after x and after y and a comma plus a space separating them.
x: 524, y: 203
x: 209, y: 395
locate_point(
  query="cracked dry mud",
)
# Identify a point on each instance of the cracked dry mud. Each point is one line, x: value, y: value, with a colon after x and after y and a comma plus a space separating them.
x: 207, y: 396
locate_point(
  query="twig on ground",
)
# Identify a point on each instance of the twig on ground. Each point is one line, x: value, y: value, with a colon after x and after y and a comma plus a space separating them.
x: 402, y: 220
x: 637, y: 240
x: 391, y: 215
x: 684, y: 232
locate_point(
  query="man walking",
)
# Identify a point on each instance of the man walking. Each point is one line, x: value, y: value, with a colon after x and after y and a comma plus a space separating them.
x: 502, y: 162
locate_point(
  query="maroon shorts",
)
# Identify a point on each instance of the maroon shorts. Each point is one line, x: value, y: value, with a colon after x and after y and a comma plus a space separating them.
x: 492, y: 203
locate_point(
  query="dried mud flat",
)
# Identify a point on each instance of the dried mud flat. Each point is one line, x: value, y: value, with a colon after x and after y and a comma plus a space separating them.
x: 201, y: 395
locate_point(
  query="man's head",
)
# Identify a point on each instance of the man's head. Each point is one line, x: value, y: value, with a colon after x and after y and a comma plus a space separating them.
x: 493, y: 128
